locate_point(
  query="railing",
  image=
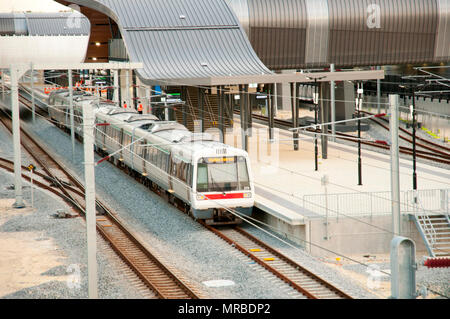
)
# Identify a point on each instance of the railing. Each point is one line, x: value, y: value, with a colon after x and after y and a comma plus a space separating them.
x: 434, y: 201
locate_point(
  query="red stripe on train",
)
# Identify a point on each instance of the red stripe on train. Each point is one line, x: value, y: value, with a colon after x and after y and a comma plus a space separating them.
x: 225, y: 196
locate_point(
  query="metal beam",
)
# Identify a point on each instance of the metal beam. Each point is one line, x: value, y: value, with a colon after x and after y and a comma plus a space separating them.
x: 88, y: 66
x: 274, y: 78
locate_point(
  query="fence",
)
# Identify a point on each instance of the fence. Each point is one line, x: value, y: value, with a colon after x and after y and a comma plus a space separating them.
x: 433, y: 201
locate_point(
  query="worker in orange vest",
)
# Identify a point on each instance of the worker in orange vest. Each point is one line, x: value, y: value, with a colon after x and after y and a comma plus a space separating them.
x: 125, y: 104
x: 140, y: 108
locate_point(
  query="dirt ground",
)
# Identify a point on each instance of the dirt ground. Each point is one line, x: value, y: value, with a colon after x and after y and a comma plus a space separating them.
x: 24, y: 256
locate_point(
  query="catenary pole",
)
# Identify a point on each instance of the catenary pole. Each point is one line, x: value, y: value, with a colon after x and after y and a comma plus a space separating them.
x: 88, y: 137
x: 395, y: 166
x: 33, y: 106
x: 333, y: 105
x: 72, y: 121
x: 15, y: 73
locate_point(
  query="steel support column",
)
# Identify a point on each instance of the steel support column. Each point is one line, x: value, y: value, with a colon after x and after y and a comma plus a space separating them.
x: 270, y: 110
x: 72, y: 122
x: 116, y: 87
x: 89, y: 173
x: 221, y: 113
x: 333, y: 105
x: 294, y: 114
x: 201, y: 103
x: 33, y: 105
x: 16, y: 73
x: 378, y: 93
x: 324, y: 119
x: 395, y: 166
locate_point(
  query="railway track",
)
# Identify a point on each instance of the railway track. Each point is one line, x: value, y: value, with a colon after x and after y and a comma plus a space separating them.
x: 296, y: 276
x: 160, y: 279
x: 306, y: 283
x: 433, y: 154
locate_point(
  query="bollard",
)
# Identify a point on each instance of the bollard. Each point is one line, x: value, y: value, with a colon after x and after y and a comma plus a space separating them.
x: 403, y: 268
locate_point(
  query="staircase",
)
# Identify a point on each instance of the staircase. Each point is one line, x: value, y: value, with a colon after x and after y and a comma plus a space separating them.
x: 435, y: 232
x: 210, y: 107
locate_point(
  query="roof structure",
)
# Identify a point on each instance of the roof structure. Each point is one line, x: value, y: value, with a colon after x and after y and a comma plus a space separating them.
x: 44, y: 24
x: 181, y: 41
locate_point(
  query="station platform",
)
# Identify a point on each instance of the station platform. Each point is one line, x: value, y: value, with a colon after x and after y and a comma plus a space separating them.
x: 342, y: 216
x: 284, y: 178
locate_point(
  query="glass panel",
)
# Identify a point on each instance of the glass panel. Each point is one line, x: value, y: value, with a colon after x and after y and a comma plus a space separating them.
x: 222, y: 174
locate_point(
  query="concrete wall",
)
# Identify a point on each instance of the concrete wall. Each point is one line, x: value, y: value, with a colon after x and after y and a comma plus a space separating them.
x: 349, y: 236
x: 346, y: 236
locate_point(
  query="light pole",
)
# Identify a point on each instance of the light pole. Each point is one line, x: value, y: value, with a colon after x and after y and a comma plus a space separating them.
x: 413, y: 116
x: 316, y: 116
x: 358, y: 114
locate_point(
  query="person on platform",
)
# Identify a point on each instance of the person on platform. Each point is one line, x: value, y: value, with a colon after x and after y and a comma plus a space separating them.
x: 140, y: 108
x: 125, y: 104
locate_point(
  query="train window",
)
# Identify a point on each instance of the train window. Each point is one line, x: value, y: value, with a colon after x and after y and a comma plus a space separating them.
x: 190, y: 173
x: 202, y: 178
x: 221, y: 174
x: 244, y: 182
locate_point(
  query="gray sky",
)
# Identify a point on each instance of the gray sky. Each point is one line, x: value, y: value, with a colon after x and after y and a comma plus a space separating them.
x: 30, y: 5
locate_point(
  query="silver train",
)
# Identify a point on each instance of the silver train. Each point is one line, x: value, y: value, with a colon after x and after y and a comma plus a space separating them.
x: 209, y: 179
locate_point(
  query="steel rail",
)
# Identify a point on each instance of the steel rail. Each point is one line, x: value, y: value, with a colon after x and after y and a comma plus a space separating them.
x: 295, y: 276
x: 158, y: 277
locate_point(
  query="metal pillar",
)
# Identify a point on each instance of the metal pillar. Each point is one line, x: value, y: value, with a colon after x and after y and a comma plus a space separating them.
x: 166, y: 110
x: 201, y: 108
x: 88, y: 137
x: 270, y: 110
x: 15, y: 73
x: 243, y: 106
x: 127, y: 85
x: 378, y: 93
x: 221, y: 113
x: 333, y: 105
x: 359, y: 99
x: 247, y: 130
x: 294, y: 114
x: 395, y: 166
x: 323, y: 119
x: 316, y: 104
x: 3, y: 83
x: 72, y: 122
x: 183, y: 107
x: 413, y: 113
x: 275, y: 101
x: 33, y: 106
x: 249, y: 114
x: 147, y: 97
x: 116, y: 87
x: 135, y: 101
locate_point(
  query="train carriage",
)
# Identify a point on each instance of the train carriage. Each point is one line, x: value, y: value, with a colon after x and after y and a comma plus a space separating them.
x: 212, y: 179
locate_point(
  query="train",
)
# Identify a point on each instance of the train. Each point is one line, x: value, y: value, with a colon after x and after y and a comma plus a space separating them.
x: 211, y: 181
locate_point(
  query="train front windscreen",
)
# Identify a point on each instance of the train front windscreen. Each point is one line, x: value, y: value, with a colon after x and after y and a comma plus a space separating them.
x: 222, y: 174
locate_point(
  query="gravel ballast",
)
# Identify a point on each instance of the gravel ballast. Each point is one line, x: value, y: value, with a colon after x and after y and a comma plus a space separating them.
x: 70, y: 238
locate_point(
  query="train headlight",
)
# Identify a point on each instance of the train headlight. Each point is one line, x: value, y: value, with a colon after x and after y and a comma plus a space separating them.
x: 201, y: 197
x: 247, y: 195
